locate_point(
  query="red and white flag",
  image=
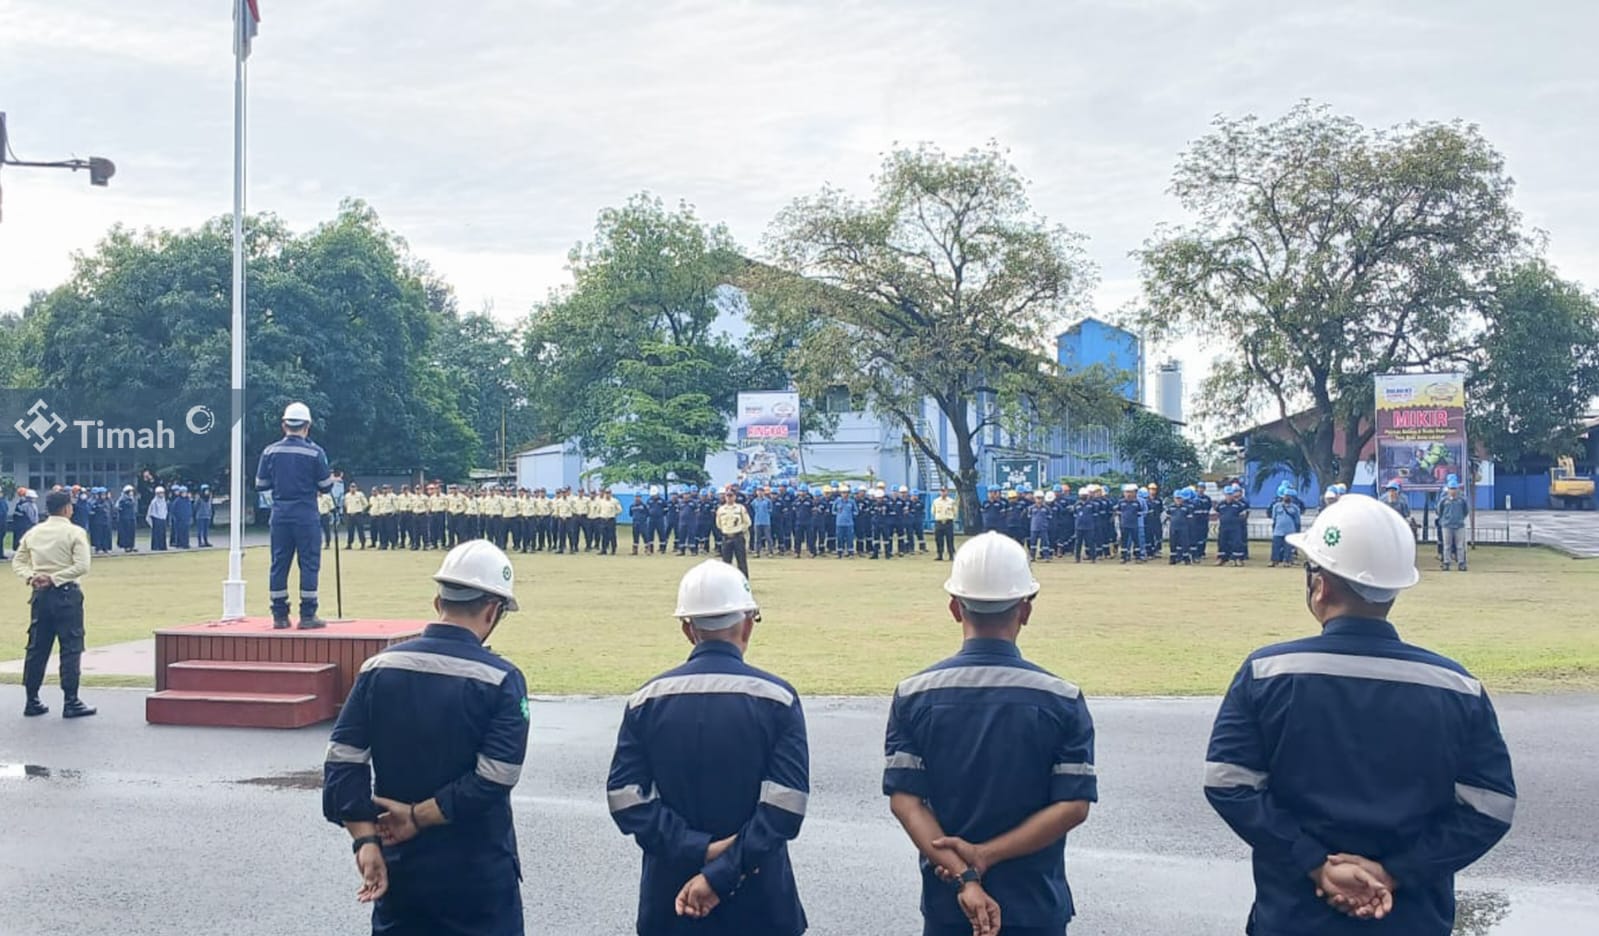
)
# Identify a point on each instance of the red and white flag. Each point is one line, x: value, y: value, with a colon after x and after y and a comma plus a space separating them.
x: 246, y: 23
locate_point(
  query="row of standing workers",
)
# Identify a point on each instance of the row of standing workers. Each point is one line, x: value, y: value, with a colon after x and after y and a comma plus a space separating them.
x: 183, y: 522
x: 1362, y: 771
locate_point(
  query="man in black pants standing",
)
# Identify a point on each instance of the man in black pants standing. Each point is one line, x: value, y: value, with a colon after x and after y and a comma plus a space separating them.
x: 51, y: 559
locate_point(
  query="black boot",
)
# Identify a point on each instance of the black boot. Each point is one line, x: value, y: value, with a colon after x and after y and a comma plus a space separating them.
x: 35, y: 707
x: 74, y: 708
x: 312, y: 623
x: 280, y: 620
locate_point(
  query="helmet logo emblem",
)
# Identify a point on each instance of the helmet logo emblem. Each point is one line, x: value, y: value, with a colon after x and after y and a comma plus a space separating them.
x: 505, y: 573
x: 1332, y: 536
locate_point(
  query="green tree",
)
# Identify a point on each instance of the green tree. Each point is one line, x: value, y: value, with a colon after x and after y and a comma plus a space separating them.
x: 1538, y: 366
x: 649, y: 277
x: 662, y: 423
x: 1157, y: 450
x: 941, y: 287
x: 1324, y: 253
x: 337, y: 317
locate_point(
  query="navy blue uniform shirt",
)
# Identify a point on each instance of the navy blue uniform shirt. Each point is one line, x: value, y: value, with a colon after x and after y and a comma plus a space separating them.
x: 1353, y: 741
x: 295, y: 470
x: 438, y: 717
x: 711, y: 749
x: 987, y: 739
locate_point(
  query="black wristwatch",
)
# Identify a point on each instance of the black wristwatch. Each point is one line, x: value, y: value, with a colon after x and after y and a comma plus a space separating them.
x: 355, y: 846
x: 969, y: 876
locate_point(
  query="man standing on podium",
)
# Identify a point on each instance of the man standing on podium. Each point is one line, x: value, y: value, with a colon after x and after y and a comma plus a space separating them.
x: 295, y: 471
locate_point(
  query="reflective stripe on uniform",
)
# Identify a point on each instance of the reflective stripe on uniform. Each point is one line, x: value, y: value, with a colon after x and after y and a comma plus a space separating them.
x: 1221, y: 776
x: 439, y: 664
x: 987, y: 677
x: 712, y: 684
x: 1490, y: 803
x: 278, y: 594
x: 283, y: 448
x: 347, y: 754
x: 627, y: 797
x: 903, y: 761
x: 307, y: 594
x: 1365, y: 667
x: 1074, y: 770
x: 785, y: 798
x: 497, y: 771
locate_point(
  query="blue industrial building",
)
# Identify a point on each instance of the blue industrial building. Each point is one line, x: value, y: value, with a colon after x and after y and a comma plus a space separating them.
x: 867, y: 446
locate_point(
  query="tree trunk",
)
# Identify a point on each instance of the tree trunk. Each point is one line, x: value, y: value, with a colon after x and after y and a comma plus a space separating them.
x: 1322, y: 458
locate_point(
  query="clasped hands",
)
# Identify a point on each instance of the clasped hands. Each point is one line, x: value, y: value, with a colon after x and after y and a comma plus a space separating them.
x: 954, y: 855
x: 698, y: 898
x: 1355, y: 886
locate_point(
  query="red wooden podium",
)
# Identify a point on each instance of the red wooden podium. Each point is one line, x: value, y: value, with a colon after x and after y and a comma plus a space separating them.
x: 245, y: 674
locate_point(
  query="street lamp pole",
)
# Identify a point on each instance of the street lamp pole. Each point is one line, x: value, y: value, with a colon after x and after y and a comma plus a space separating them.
x: 100, y: 169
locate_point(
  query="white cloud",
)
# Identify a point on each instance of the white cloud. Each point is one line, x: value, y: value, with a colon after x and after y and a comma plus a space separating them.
x: 490, y: 133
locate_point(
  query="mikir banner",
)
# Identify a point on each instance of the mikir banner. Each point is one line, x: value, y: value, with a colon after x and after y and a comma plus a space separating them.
x: 1421, y: 430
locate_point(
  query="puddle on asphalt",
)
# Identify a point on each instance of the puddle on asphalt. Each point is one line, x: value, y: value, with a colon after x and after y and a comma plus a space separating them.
x: 1479, y: 913
x: 293, y: 780
x: 36, y: 772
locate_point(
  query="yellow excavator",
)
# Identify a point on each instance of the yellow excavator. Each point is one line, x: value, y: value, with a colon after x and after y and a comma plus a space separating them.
x: 1568, y: 489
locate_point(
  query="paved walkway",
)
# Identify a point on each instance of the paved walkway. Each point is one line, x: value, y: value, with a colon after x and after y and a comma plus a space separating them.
x: 134, y: 658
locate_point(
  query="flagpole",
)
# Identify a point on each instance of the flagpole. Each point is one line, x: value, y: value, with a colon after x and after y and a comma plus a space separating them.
x: 233, y: 587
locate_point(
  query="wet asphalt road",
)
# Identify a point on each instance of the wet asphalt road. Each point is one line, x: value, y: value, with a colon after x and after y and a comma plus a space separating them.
x: 112, y: 826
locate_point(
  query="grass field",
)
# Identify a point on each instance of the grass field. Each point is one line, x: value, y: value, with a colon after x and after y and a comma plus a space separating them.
x: 1522, y: 620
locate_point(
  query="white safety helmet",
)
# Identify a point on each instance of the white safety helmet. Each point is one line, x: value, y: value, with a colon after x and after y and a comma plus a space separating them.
x: 127, y: 489
x: 714, y: 595
x: 1049, y: 498
x: 1330, y: 495
x: 655, y: 490
x: 472, y: 570
x: 991, y: 574
x: 297, y: 413
x: 904, y: 490
x: 1129, y: 489
x: 1365, y: 543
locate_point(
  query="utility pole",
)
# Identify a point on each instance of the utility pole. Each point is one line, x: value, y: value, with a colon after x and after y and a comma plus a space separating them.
x: 100, y: 169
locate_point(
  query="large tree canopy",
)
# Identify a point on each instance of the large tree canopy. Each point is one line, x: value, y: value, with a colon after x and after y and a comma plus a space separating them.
x: 1322, y: 253
x: 651, y: 284
x: 339, y: 317
x: 1538, y: 366
x: 940, y: 287
x: 1157, y: 450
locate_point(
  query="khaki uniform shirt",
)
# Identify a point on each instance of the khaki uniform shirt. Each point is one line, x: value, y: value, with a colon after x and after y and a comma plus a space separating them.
x: 57, y: 547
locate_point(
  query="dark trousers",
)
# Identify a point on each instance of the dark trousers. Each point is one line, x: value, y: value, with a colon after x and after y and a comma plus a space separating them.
x: 734, y: 553
x: 573, y: 527
x: 327, y: 530
x: 158, y: 535
x: 126, y: 530
x: 944, y: 537
x: 357, y: 523
x: 56, y: 615
x: 932, y: 929
x: 294, y: 542
x: 203, y: 530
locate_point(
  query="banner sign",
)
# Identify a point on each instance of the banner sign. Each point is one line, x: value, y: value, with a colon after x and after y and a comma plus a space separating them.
x: 768, y: 437
x: 1421, y: 430
x: 1016, y: 472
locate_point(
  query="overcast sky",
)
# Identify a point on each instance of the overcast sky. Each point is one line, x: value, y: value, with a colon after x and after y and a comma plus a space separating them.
x: 490, y: 132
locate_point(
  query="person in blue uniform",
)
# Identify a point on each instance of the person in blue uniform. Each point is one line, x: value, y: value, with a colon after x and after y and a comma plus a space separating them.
x: 655, y: 510
x: 711, y: 776
x: 100, y: 522
x: 295, y: 471
x: 1130, y: 513
x: 1363, y: 771
x: 918, y: 516
x: 182, y: 513
x: 844, y: 526
x: 805, y: 523
x: 127, y: 509
x: 422, y: 760
x: 990, y: 761
x: 1038, y: 515
x: 1232, y: 527
x: 1202, y: 507
x: 638, y: 513
x: 993, y: 511
x: 1155, y: 522
x: 204, y: 513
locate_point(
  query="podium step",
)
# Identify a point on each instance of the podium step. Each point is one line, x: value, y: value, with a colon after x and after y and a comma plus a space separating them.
x: 237, y: 709
x: 318, y: 679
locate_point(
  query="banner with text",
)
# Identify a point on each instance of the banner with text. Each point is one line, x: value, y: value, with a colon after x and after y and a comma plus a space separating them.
x: 768, y: 437
x: 1017, y: 472
x: 1421, y: 430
